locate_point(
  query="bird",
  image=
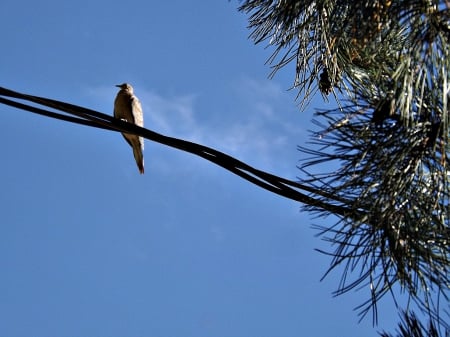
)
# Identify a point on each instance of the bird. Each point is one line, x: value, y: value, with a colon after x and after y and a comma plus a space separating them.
x: 127, y: 107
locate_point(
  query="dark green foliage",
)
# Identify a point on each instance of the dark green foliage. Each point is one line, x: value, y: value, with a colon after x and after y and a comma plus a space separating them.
x: 410, y: 326
x: 386, y: 150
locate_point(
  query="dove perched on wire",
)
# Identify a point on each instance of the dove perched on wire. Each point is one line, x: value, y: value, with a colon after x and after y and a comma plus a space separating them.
x: 127, y: 107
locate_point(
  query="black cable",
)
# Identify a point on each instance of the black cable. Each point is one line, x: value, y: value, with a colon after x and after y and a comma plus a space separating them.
x: 88, y: 117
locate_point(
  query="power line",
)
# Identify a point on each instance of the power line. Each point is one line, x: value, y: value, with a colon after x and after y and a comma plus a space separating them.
x: 76, y: 114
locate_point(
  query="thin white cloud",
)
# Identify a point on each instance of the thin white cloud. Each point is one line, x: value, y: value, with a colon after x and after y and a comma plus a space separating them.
x: 169, y: 115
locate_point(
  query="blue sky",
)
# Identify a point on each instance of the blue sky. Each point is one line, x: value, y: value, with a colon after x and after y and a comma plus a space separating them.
x: 89, y: 247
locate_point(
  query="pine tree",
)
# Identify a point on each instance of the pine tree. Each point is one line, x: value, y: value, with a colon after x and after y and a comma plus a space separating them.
x: 387, y: 64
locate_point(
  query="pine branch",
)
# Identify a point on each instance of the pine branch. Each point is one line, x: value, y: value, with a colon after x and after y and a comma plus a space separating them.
x: 390, y: 61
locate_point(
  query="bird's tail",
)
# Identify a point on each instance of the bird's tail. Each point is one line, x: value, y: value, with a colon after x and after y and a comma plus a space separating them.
x: 139, y: 157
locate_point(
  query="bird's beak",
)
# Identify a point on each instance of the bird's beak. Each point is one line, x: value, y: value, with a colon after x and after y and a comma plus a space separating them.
x: 118, y: 85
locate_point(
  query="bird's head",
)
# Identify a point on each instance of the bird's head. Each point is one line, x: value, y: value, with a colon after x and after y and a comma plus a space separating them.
x: 125, y: 86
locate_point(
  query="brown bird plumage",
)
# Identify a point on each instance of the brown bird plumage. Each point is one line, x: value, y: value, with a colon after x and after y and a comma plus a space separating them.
x: 128, y: 108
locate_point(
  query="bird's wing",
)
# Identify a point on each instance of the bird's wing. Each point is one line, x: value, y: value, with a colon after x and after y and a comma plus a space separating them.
x: 136, y: 110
